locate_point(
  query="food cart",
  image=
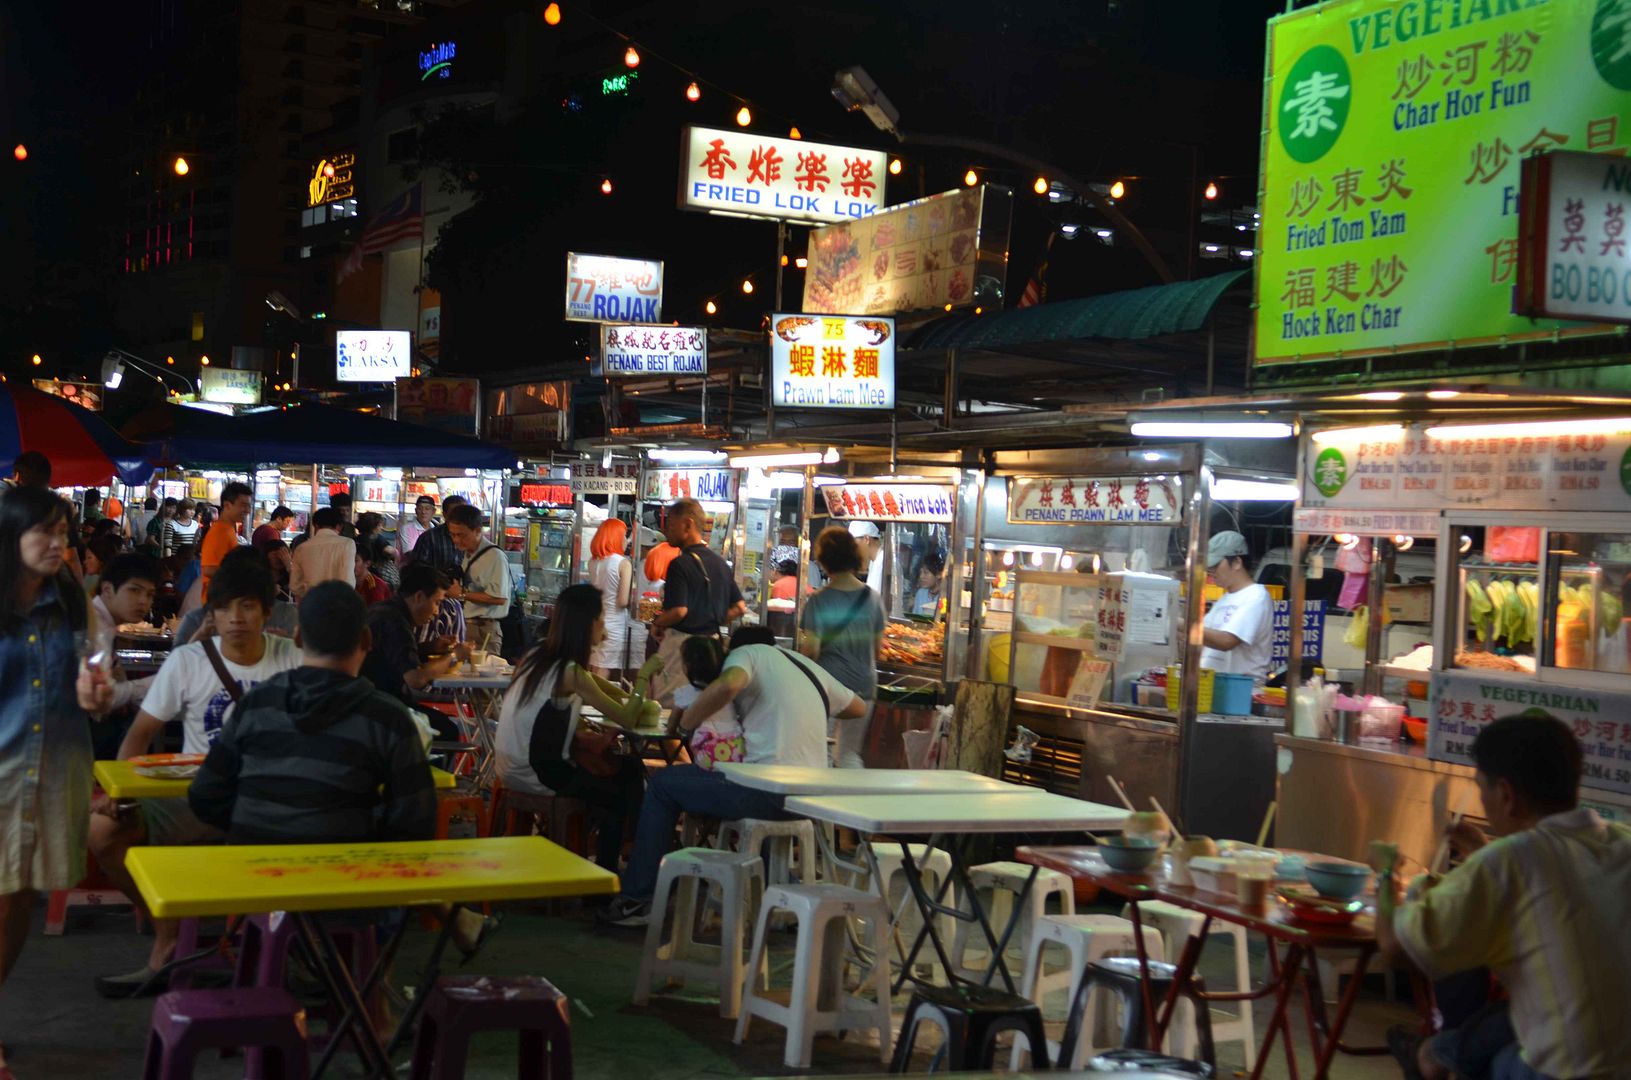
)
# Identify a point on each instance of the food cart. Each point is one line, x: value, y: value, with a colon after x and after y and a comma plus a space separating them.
x: 1495, y: 559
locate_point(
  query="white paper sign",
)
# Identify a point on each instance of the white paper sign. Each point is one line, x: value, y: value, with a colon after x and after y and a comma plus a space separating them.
x: 632, y: 349
x: 1088, y: 683
x: 372, y: 355
x: 1575, y: 263
x: 601, y: 288
x: 1110, y: 620
x: 832, y: 362
x: 889, y: 502
x: 593, y: 478
x: 749, y: 175
x: 713, y: 485
x: 1069, y: 500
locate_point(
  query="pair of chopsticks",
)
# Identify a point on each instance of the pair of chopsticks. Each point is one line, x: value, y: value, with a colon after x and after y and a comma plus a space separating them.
x: 1176, y: 830
x: 1441, y: 856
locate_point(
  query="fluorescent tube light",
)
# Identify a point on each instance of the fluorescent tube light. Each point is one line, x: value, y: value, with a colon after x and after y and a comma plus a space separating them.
x: 1231, y: 489
x: 1212, y: 429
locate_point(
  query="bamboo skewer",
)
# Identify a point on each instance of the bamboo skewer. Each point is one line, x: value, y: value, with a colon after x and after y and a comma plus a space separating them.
x: 1268, y: 819
x: 1120, y: 794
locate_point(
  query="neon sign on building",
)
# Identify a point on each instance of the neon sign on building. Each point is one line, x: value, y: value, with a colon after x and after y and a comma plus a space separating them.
x: 437, y: 61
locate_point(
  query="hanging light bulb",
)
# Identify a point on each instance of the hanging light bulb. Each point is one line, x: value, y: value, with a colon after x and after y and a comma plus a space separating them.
x: 743, y: 117
x: 747, y: 285
x: 606, y: 186
x: 894, y: 166
x: 20, y: 152
x: 693, y: 92
x: 632, y: 57
x: 36, y: 360
x: 711, y: 308
x: 1041, y: 185
x: 1211, y: 191
x: 204, y: 361
x: 552, y: 14
x: 169, y: 360
x: 971, y: 178
x: 181, y: 166
x: 1117, y: 190
x: 795, y: 133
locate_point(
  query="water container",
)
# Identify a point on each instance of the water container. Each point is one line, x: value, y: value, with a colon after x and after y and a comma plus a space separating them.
x: 1232, y: 694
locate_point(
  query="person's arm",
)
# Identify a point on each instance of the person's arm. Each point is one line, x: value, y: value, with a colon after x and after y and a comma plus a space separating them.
x: 422, y: 676
x: 485, y: 581
x: 297, y: 574
x: 209, y: 556
x: 809, y: 637
x: 676, y: 599
x: 139, y: 739
x: 214, y: 791
x: 625, y: 583
x: 1221, y: 640
x: 856, y: 707
x: 715, y: 696
x: 595, y: 691
x: 348, y: 572
x: 408, y: 797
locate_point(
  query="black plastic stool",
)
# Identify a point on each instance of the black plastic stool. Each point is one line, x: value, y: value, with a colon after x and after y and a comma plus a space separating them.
x: 1122, y: 976
x: 1148, y: 1061
x: 972, y: 1017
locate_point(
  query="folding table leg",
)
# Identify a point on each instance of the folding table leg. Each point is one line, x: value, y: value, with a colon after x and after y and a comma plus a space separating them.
x: 354, y: 1011
x: 1326, y: 1049
x: 426, y: 981
x: 928, y: 907
x: 1282, y: 976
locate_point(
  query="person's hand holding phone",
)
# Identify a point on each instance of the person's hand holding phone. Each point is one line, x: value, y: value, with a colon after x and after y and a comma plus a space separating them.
x: 93, y: 687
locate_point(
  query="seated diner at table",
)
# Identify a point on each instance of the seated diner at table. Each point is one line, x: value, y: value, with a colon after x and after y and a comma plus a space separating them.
x: 783, y: 702
x: 1542, y: 907
x: 539, y: 725
x: 199, y: 685
x: 393, y: 663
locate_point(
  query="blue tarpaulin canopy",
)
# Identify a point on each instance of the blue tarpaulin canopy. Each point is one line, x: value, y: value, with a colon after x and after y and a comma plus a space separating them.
x: 177, y: 435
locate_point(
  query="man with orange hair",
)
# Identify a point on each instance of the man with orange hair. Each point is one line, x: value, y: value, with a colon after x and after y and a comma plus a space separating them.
x: 611, y: 572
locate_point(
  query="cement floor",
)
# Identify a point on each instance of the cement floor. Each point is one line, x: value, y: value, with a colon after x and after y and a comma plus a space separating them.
x: 56, y: 1027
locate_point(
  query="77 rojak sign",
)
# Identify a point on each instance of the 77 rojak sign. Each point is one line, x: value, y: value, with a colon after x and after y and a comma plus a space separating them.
x: 1396, y: 130
x: 742, y: 174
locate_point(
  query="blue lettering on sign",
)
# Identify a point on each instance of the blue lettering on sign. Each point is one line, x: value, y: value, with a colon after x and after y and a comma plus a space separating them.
x: 437, y: 61
x: 1313, y: 631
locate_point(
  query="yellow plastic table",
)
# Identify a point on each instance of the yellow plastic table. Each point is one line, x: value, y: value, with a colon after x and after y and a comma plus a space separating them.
x: 306, y: 879
x: 120, y: 781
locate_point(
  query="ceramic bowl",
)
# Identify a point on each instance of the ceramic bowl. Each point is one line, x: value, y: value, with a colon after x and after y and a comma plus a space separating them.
x: 1338, y: 880
x: 1129, y: 854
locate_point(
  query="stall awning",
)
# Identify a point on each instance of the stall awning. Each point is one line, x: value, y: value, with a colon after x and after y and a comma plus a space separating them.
x: 80, y: 445
x: 182, y: 436
x: 1178, y: 308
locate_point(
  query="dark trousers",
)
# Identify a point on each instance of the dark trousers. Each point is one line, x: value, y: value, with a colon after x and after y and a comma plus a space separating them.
x: 614, y: 803
x: 692, y: 790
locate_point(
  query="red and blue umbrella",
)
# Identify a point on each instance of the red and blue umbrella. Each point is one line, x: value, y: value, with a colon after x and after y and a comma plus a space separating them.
x: 82, y: 448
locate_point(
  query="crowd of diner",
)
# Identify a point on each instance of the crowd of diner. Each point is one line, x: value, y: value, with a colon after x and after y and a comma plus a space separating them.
x: 305, y: 661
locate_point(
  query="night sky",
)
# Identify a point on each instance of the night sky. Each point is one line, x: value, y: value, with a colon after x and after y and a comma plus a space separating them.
x: 1139, y: 89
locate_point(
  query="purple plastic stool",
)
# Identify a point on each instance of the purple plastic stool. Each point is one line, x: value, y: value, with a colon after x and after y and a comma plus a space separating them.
x: 263, y: 961
x: 461, y: 1005
x: 186, y: 1022
x: 186, y: 945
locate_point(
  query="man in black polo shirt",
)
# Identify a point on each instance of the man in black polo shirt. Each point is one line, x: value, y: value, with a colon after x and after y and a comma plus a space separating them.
x: 435, y: 545
x: 393, y: 663
x: 699, y: 596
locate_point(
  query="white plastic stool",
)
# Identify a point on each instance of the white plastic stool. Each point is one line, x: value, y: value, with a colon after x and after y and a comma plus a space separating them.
x: 818, y: 1001
x: 1004, y: 880
x: 1085, y: 938
x: 935, y: 867
x: 792, y: 846
x: 741, y: 883
x: 1177, y: 925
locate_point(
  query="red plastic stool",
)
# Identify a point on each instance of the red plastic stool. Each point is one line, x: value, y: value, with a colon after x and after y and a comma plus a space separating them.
x: 459, y: 1006
x: 94, y: 890
x: 460, y: 815
x: 187, y: 1022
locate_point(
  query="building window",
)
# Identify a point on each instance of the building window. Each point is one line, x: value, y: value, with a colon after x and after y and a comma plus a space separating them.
x: 305, y: 251
x: 402, y: 146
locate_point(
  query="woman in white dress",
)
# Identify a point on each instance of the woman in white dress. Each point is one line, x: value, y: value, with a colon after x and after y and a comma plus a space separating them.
x: 611, y: 572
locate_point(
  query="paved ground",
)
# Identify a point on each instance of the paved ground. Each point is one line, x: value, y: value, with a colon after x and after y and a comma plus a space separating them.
x: 58, y: 1028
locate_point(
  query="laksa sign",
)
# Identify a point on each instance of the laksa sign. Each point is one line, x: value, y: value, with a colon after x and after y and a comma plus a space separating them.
x: 372, y: 355
x: 832, y: 362
x: 602, y: 288
x: 748, y: 175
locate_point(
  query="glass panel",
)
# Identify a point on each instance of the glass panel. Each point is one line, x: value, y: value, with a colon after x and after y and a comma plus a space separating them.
x: 1587, y: 576
x: 1498, y: 593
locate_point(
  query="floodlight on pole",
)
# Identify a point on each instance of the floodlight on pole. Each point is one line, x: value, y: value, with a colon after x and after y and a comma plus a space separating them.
x: 855, y: 91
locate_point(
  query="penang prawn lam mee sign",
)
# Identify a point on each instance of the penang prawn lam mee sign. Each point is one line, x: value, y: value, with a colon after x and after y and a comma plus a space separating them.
x: 832, y: 362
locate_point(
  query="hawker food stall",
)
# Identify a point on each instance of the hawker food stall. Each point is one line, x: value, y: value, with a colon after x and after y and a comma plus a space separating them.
x: 1475, y: 570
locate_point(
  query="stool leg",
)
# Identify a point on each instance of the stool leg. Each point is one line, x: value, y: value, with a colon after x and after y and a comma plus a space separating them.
x: 424, y: 1048
x: 901, y: 1060
x: 806, y: 996
x: 685, y: 918
x: 654, y: 935
x: 880, y: 987
x: 730, y: 947
x: 755, y: 960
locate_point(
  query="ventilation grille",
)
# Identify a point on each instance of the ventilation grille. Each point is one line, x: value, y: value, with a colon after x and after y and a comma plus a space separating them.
x: 1055, y: 765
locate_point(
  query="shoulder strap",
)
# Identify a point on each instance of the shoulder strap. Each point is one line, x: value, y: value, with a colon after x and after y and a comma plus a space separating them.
x: 233, y: 689
x: 851, y: 613
x: 798, y: 662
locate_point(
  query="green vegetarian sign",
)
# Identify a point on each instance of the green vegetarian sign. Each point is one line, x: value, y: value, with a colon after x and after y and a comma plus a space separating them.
x: 1394, y: 135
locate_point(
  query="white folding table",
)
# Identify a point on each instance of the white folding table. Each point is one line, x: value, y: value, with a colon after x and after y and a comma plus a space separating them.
x: 954, y: 820
x: 483, y: 693
x: 810, y: 780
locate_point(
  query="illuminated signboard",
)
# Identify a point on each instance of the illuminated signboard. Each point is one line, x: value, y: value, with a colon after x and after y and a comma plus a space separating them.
x: 713, y: 485
x: 436, y: 62
x: 230, y: 386
x: 541, y: 493
x: 620, y: 83
x: 832, y: 362
x: 372, y: 355
x: 332, y: 178
x: 748, y: 175
x: 601, y: 288
x: 653, y: 350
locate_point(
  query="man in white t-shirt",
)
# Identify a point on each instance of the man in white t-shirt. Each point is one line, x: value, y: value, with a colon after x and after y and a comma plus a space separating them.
x: 783, y: 701
x: 189, y: 688
x: 1239, y: 629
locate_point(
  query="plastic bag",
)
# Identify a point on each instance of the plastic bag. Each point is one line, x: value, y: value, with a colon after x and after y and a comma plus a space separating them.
x: 1024, y: 740
x: 1511, y: 543
x: 926, y: 749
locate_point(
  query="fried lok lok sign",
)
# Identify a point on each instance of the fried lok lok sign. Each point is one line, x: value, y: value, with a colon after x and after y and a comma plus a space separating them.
x: 832, y: 362
x: 748, y: 175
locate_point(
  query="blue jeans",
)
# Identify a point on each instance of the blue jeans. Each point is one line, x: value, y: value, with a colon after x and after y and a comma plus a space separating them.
x: 1484, y: 1047
x: 691, y: 790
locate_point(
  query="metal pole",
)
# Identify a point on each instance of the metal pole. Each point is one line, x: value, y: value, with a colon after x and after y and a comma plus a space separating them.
x: 781, y: 252
x: 948, y: 408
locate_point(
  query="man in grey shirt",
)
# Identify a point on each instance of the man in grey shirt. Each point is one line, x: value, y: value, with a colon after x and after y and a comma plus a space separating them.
x: 841, y: 629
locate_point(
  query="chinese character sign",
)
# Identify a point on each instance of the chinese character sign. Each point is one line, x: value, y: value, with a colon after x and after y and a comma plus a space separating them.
x: 653, y: 350
x: 593, y: 478
x: 600, y: 288
x: 749, y: 175
x: 1110, y: 617
x: 1115, y: 500
x: 1395, y: 470
x: 832, y: 362
x: 372, y: 355
x: 889, y: 502
x: 1572, y: 258
x: 1462, y: 702
x: 1395, y: 134
x: 229, y: 385
x: 712, y: 485
x: 913, y: 257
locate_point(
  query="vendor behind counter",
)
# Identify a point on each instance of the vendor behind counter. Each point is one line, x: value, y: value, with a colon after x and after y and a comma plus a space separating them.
x: 1239, y: 629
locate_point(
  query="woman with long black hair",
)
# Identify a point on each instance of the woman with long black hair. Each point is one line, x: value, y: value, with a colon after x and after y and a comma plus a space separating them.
x: 45, y: 744
x: 539, y: 723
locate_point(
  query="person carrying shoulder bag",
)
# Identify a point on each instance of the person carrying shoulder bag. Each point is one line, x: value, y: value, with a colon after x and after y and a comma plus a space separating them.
x: 841, y: 630
x: 699, y: 596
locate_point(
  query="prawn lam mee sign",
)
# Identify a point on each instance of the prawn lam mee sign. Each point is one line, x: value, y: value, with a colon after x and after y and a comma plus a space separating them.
x: 832, y: 362
x: 1071, y: 500
x: 889, y: 502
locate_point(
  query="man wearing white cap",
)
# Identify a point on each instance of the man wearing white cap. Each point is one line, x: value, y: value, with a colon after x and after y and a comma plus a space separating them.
x: 870, y: 542
x: 1239, y: 630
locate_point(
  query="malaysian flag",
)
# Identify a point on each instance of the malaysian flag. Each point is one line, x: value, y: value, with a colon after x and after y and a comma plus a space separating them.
x: 401, y: 218
x: 1036, y: 289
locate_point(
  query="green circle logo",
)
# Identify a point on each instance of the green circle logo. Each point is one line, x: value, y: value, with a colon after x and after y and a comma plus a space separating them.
x: 1314, y: 103
x: 1611, y: 43
x: 1625, y: 471
x: 1331, y: 471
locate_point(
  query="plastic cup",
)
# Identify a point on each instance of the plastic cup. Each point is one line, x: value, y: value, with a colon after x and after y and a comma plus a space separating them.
x: 1252, y: 885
